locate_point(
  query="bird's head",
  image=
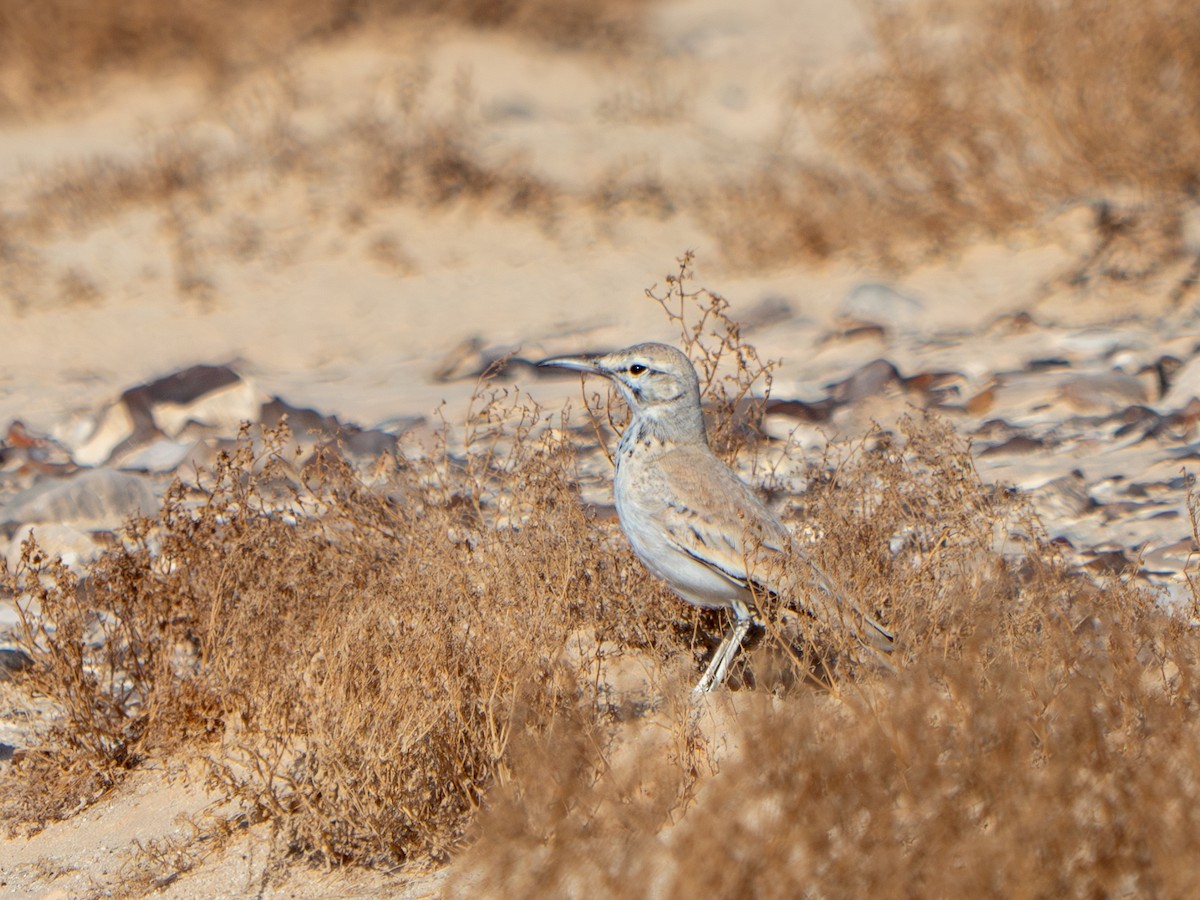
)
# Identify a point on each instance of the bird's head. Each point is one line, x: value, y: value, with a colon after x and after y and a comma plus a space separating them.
x: 658, y: 382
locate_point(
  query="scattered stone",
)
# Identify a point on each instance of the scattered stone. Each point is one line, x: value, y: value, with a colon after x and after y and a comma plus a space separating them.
x: 312, y: 429
x: 939, y: 388
x: 1093, y: 342
x: 801, y: 411
x: 1107, y: 392
x: 359, y: 444
x: 115, y: 427
x: 1018, y: 445
x: 858, y: 331
x: 22, y: 450
x: 301, y: 420
x: 471, y: 359
x: 881, y: 304
x: 13, y: 661
x: 1165, y: 369
x: 982, y: 402
x: 1066, y: 497
x: 212, y: 396
x: 1013, y: 323
x: 1185, y: 386
x: 1135, y: 420
x: 95, y: 499
x: 1048, y: 364
x: 872, y: 379
x: 1172, y: 556
x: 215, y: 396
x: 1110, y: 562
x: 73, y: 546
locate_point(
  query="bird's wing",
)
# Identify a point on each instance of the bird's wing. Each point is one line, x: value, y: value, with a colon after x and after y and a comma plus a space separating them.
x: 736, y: 535
x: 708, y: 513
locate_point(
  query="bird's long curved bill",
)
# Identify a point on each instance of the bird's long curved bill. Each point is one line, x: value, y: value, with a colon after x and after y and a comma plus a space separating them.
x: 576, y: 363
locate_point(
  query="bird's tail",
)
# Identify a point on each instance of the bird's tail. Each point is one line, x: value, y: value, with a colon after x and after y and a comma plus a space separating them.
x: 838, y: 608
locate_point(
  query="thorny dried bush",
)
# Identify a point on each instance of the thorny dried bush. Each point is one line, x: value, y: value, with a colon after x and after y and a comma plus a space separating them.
x: 392, y: 664
x: 1060, y: 769
x: 1039, y: 739
x: 735, y: 382
x: 980, y: 117
x: 352, y: 656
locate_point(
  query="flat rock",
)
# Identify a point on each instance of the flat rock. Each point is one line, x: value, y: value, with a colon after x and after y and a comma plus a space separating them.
x: 166, y: 455
x: 1105, y: 391
x: 301, y: 420
x: 72, y: 545
x: 95, y: 499
x: 224, y: 410
x: 1065, y: 497
x: 13, y: 661
x: 215, y: 397
x: 1017, y: 445
x: 1095, y: 342
x: 881, y: 304
x: 114, y: 427
x: 1184, y: 386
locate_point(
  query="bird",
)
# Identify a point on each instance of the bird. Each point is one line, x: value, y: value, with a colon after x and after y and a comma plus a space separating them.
x: 692, y: 521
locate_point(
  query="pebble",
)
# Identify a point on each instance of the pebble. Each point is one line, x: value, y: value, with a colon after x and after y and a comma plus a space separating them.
x: 1105, y: 392
x: 13, y: 661
x: 881, y: 304
x: 73, y: 546
x: 94, y: 499
x: 214, y: 397
x: 874, y: 378
x: 1184, y: 386
x: 1066, y: 496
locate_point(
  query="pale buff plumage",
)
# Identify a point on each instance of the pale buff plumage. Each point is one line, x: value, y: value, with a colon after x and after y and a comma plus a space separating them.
x: 691, y: 520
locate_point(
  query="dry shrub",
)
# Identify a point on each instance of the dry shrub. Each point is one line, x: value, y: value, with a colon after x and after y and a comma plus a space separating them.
x: 433, y: 160
x: 436, y: 161
x: 371, y: 659
x: 1065, y: 769
x: 352, y: 654
x: 984, y: 116
x: 735, y: 382
x: 58, y: 47
x: 916, y: 538
x: 79, y: 194
x: 1039, y: 738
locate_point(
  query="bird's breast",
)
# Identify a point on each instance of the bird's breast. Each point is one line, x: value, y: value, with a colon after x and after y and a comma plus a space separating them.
x: 642, y: 497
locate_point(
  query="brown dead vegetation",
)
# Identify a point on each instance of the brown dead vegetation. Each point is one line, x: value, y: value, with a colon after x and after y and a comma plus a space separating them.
x: 974, y: 120
x: 395, y: 663
x: 981, y: 117
x: 198, y: 193
x: 58, y: 48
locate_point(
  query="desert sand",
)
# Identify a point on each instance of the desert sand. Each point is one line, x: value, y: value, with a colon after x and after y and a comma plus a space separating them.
x: 285, y: 260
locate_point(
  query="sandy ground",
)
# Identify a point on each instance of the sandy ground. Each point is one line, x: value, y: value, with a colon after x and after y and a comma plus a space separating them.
x: 351, y: 309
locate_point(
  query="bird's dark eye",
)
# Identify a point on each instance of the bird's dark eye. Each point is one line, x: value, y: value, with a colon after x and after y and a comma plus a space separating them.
x: 637, y: 369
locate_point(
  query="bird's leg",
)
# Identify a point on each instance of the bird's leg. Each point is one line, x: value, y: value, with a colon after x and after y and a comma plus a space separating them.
x: 718, y: 668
